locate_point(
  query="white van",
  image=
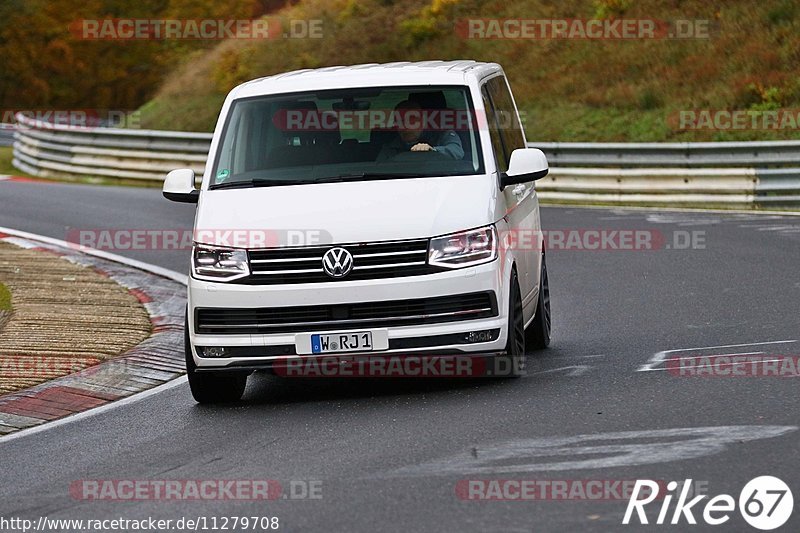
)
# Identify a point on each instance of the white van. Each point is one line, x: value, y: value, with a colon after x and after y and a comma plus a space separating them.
x: 377, y: 210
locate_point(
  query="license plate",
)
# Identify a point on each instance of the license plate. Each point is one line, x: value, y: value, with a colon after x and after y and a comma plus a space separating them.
x: 350, y: 341
x: 359, y: 341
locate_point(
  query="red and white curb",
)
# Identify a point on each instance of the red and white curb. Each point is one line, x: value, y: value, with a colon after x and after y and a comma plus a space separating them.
x: 22, y: 178
x: 156, y: 361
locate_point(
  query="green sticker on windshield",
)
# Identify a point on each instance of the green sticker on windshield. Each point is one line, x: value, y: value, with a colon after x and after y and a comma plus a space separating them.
x: 223, y: 174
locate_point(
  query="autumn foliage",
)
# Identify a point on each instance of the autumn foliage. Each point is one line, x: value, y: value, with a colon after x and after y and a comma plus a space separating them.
x: 44, y: 65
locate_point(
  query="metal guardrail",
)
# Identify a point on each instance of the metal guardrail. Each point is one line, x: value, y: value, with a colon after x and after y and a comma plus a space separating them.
x: 48, y: 150
x: 650, y: 186
x: 688, y: 155
x: 6, y: 134
x: 673, y: 173
x: 639, y: 173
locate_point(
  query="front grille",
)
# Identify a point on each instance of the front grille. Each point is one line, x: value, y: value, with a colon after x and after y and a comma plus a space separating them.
x: 364, y: 315
x: 370, y: 261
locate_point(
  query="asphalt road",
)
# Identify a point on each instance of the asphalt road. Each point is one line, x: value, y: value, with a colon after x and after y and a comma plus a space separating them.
x: 389, y: 455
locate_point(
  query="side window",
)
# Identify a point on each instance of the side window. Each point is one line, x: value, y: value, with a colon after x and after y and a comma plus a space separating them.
x: 494, y: 132
x: 506, y: 115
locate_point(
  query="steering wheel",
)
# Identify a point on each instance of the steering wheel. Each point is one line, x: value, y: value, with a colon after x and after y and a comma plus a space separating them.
x: 410, y: 157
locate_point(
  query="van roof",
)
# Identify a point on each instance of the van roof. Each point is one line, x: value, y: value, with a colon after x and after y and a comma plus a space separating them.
x: 369, y: 75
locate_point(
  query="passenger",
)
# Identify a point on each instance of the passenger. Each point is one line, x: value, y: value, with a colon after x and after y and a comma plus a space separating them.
x: 418, y: 140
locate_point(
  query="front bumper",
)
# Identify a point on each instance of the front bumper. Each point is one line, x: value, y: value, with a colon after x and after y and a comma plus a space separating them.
x: 253, y: 351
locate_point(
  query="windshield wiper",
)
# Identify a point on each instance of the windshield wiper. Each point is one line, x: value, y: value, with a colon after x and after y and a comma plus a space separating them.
x: 243, y: 184
x: 246, y: 184
x: 234, y: 185
x: 360, y: 176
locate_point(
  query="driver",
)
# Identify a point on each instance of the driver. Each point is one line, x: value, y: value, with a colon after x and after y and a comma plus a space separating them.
x: 446, y: 142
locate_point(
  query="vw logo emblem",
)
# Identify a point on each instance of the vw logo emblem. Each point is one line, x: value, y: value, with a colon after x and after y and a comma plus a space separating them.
x: 337, y: 262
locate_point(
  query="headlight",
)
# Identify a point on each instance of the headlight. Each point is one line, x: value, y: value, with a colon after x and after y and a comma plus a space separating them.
x: 467, y: 248
x: 219, y: 264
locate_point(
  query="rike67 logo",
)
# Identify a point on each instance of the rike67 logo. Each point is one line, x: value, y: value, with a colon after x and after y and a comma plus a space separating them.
x: 765, y: 503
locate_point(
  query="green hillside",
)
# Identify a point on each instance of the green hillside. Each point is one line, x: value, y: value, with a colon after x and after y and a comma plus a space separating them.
x: 568, y: 89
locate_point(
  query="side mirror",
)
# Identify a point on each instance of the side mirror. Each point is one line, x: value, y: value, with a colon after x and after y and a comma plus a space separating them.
x: 179, y: 186
x: 527, y: 164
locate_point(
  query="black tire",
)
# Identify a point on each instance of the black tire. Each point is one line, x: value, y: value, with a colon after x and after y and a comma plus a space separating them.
x: 512, y: 363
x: 212, y: 387
x: 538, y: 332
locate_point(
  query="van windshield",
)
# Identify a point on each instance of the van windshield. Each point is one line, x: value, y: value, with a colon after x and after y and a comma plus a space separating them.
x: 348, y: 134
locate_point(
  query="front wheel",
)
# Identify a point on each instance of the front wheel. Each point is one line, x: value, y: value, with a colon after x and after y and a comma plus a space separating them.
x: 538, y: 332
x: 512, y: 362
x: 212, y: 387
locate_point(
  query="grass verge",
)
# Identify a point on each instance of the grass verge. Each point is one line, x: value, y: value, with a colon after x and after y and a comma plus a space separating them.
x: 6, y: 167
x: 5, y: 298
x: 5, y: 305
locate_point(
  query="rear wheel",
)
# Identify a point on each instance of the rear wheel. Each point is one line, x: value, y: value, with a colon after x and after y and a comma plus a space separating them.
x: 512, y: 362
x: 212, y: 387
x: 538, y: 332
